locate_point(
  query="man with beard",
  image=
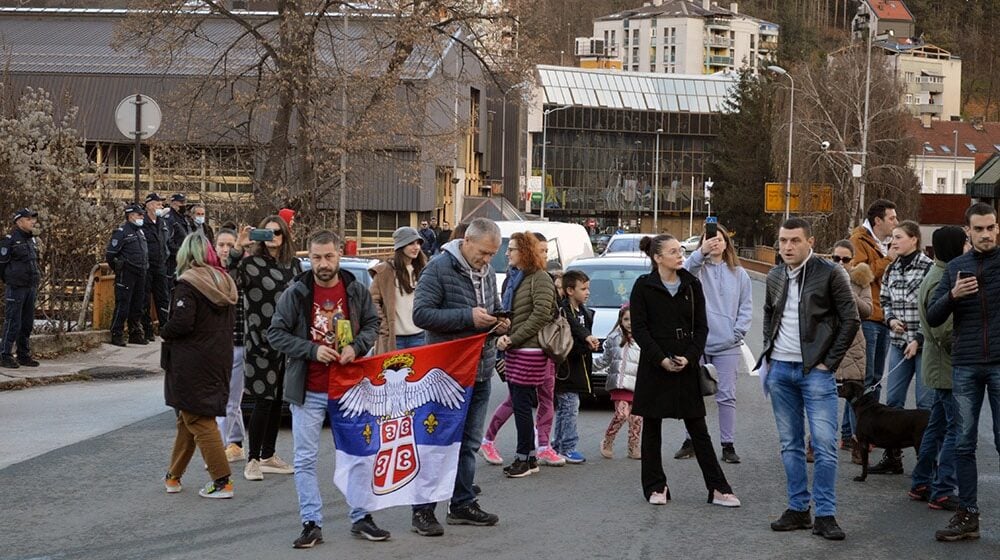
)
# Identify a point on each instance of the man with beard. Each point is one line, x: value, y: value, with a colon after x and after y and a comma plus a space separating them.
x: 20, y: 275
x: 341, y: 326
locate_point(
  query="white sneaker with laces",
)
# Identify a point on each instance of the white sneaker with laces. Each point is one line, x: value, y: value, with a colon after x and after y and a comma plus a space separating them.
x: 275, y: 465
x: 725, y: 500
x: 252, y: 471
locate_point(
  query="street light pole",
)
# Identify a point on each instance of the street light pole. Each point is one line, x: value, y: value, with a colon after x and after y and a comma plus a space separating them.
x: 954, y: 166
x: 791, y: 123
x: 656, y: 184
x: 545, y: 145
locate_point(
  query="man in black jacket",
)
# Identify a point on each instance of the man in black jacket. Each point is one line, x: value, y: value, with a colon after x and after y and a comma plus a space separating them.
x: 305, y: 329
x: 128, y: 255
x: 157, y: 232
x: 810, y: 320
x: 20, y: 274
x: 970, y: 292
x: 176, y: 219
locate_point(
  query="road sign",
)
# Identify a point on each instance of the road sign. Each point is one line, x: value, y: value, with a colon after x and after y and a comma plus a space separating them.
x: 125, y: 118
x: 536, y: 197
x: 774, y: 198
x: 535, y: 184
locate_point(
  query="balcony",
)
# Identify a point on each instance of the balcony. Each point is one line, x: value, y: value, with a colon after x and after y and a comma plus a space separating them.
x: 718, y: 41
x: 718, y: 23
x: 768, y: 46
x: 718, y: 61
x: 931, y: 87
x: 929, y: 108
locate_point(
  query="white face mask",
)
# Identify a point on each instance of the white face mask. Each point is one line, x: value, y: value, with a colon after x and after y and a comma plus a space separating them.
x: 199, y: 220
x: 160, y: 212
x: 139, y: 222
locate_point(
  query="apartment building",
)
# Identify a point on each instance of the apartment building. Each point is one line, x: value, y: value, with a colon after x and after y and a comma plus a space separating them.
x: 686, y: 37
x: 931, y: 77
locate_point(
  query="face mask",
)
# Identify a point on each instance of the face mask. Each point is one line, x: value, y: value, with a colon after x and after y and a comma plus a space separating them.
x: 139, y: 222
x: 181, y: 209
x: 160, y: 212
x: 200, y: 220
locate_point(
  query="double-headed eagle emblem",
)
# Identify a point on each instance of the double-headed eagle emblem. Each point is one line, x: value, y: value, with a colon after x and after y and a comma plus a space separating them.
x: 399, y: 397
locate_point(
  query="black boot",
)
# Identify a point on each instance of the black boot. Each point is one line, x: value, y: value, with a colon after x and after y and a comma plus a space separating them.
x: 891, y: 463
x: 118, y: 340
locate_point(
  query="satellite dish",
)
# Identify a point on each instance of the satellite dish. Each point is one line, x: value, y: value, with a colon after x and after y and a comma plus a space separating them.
x: 149, y: 114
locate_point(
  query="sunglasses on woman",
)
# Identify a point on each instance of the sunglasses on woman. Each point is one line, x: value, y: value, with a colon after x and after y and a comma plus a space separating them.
x: 837, y: 259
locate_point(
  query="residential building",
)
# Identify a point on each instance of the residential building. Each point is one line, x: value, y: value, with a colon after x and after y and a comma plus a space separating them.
x: 601, y: 132
x: 947, y: 154
x: 686, y: 37
x: 931, y: 77
x: 884, y: 16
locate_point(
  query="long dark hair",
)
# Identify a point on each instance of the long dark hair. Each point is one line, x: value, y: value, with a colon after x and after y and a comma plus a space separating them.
x: 651, y: 246
x: 285, y: 253
x: 399, y: 265
x: 626, y: 335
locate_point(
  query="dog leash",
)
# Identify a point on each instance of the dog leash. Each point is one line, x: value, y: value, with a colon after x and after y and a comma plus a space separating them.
x: 874, y: 387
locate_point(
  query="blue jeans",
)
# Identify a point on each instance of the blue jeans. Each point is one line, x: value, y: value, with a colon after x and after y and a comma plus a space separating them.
x: 936, y: 461
x: 472, y: 438
x: 815, y: 395
x: 876, y: 348
x: 969, y: 385
x: 902, y: 371
x: 564, y: 434
x: 19, y: 319
x: 307, y: 428
x: 409, y: 341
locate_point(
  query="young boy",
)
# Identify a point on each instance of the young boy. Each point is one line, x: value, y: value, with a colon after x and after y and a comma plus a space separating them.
x: 573, y: 375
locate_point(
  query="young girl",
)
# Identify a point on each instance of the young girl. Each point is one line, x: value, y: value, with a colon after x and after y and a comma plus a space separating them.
x: 621, y: 357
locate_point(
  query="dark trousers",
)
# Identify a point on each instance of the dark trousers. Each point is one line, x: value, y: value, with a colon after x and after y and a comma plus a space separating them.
x: 19, y: 318
x: 130, y: 287
x: 521, y: 397
x: 265, y: 420
x: 653, y: 477
x: 156, y: 287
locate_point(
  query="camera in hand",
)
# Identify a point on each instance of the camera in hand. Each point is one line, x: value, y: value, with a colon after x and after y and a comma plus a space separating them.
x: 261, y: 234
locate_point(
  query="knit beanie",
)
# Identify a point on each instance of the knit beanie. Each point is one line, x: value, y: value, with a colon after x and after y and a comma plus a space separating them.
x: 948, y: 242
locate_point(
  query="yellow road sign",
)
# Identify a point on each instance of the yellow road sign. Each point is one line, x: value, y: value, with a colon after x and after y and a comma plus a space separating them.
x: 821, y: 196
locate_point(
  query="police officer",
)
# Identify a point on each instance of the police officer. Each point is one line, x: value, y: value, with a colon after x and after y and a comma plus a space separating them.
x: 179, y: 229
x: 128, y: 254
x: 20, y: 274
x: 157, y: 233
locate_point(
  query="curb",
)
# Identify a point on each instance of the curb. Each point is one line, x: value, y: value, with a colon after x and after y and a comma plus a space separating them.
x: 89, y: 374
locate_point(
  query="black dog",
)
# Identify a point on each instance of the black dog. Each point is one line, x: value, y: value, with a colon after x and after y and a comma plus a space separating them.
x: 882, y: 426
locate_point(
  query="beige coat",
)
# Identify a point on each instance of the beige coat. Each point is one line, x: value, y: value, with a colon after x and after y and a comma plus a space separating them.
x: 853, y: 366
x: 383, y: 291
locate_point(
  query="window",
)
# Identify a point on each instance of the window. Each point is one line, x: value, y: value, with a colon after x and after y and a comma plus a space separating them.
x: 970, y: 147
x: 928, y: 148
x: 908, y: 77
x: 945, y: 149
x: 942, y: 184
x: 613, y: 42
x: 909, y: 99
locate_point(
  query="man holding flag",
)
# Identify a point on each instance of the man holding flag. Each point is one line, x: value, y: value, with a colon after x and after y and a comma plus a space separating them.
x: 456, y: 298
x: 324, y: 320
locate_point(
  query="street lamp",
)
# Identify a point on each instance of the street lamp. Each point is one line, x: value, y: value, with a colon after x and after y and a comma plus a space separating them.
x: 865, y: 124
x: 656, y: 184
x: 545, y: 121
x: 791, y: 120
x: 708, y: 195
x: 954, y: 165
x: 923, y: 165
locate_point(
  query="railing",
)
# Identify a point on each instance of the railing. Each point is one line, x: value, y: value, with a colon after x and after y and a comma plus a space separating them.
x: 935, y: 108
x: 931, y: 87
x: 717, y: 22
x: 768, y: 46
x: 719, y: 60
x: 719, y: 41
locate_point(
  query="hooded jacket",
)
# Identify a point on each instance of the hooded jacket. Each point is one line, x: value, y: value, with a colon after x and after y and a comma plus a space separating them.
x: 728, y: 303
x: 853, y: 366
x: 935, y: 364
x: 447, y: 292
x: 197, y: 353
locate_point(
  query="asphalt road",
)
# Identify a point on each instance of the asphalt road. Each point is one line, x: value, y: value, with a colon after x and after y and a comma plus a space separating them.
x: 92, y: 489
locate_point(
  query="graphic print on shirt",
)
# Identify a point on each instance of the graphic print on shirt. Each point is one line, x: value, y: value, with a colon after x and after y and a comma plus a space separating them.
x: 330, y: 327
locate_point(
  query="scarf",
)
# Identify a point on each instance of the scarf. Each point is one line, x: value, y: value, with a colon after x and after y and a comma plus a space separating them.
x: 514, y: 278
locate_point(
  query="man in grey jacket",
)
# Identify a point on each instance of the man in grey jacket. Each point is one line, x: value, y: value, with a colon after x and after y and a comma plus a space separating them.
x: 457, y: 297
x: 304, y: 329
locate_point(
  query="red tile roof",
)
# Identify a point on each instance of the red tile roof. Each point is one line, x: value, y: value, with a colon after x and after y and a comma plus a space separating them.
x: 891, y: 10
x: 986, y: 141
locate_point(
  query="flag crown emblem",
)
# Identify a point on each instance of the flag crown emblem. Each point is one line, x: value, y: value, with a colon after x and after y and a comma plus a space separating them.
x: 394, y: 362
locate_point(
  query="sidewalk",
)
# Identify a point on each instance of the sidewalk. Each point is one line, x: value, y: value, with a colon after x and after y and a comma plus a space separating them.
x: 103, y: 362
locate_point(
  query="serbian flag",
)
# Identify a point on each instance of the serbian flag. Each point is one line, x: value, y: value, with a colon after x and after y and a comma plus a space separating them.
x: 398, y: 420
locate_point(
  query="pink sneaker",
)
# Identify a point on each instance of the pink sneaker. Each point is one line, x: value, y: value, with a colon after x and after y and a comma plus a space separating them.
x: 489, y: 452
x: 550, y: 458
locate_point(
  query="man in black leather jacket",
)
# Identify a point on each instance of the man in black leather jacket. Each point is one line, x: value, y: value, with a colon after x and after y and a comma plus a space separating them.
x: 810, y: 320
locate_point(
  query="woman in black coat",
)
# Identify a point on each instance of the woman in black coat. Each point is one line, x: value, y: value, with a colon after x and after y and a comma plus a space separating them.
x: 669, y: 323
x: 197, y: 358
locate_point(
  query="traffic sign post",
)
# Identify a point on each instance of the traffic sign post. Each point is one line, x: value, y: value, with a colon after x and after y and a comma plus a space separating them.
x: 137, y: 117
x: 821, y: 198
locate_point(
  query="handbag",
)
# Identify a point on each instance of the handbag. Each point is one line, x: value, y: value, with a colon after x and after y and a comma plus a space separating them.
x: 708, y: 379
x: 555, y: 338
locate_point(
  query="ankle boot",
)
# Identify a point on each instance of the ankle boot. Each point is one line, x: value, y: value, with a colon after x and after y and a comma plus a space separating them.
x: 607, y: 447
x: 891, y: 463
x: 634, y: 449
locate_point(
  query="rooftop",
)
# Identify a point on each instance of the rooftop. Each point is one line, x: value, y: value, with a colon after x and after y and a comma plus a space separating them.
x: 890, y: 10
x: 974, y: 141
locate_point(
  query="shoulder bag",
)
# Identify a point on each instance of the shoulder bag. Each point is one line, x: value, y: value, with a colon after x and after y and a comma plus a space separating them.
x: 708, y: 376
x: 555, y: 338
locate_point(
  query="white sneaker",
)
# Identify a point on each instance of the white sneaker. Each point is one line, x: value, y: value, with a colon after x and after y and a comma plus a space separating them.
x: 725, y: 500
x: 234, y: 453
x: 658, y: 498
x: 253, y: 471
x: 275, y: 465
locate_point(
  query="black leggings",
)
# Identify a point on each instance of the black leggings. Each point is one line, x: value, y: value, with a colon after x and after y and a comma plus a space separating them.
x: 653, y: 477
x: 265, y: 421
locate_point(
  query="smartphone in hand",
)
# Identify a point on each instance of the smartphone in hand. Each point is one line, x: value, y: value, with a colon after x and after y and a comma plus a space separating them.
x: 711, y: 227
x: 261, y: 234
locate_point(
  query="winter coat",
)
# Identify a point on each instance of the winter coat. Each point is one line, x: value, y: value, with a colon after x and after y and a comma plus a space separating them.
x: 662, y: 324
x: 935, y: 364
x: 573, y: 375
x: 197, y: 353
x: 854, y: 363
x: 19, y: 260
x: 898, y: 296
x: 621, y: 361
x: 728, y: 303
x: 262, y: 280
x: 533, y: 308
x: 289, y: 330
x: 976, y: 334
x: 446, y: 296
x: 384, y: 291
x: 868, y: 250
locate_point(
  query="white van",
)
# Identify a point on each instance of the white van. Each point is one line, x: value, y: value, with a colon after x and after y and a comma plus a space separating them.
x: 567, y: 242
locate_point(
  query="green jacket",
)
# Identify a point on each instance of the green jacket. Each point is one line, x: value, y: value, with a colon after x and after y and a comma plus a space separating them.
x: 533, y: 308
x: 935, y: 364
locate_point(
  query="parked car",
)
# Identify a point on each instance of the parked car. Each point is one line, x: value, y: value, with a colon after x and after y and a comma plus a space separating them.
x: 691, y: 244
x: 625, y: 243
x: 611, y: 280
x: 600, y: 242
x: 567, y: 242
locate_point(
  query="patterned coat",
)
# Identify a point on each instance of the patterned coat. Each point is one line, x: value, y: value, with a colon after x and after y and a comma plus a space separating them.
x: 262, y: 280
x: 898, y: 296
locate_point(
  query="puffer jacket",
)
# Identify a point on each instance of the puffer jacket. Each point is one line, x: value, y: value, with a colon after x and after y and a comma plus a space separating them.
x: 446, y: 296
x: 533, y: 308
x: 622, y: 362
x: 853, y: 366
x: 898, y: 296
x: 976, y: 334
x: 935, y: 365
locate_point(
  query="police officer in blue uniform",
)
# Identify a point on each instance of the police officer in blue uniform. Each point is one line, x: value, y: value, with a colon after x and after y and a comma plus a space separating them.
x: 179, y: 229
x: 157, y: 232
x: 20, y: 274
x: 128, y: 254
